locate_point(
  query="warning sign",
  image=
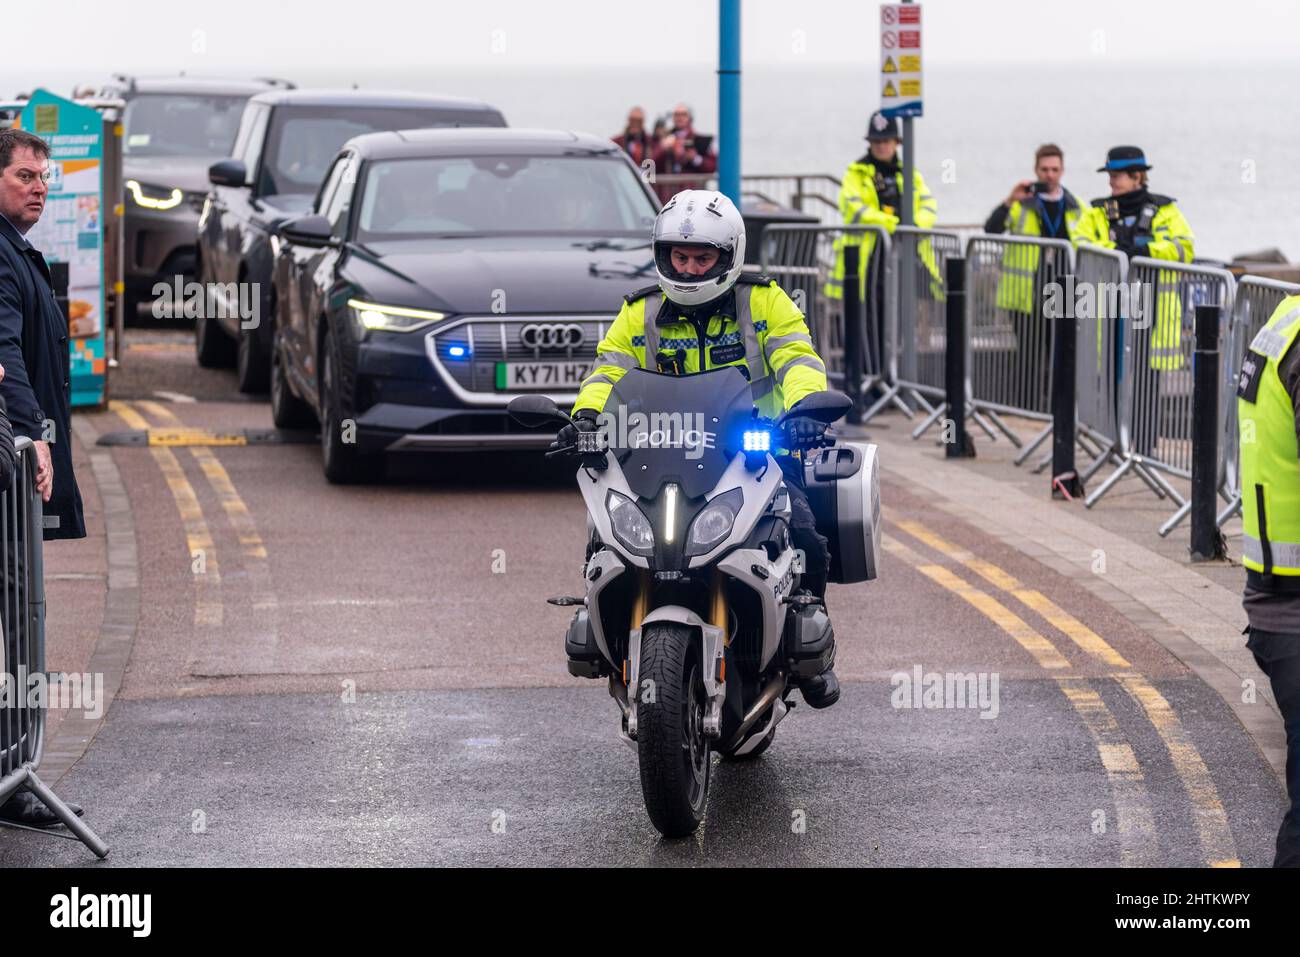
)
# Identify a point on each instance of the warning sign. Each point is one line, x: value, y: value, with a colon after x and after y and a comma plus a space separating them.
x: 900, y: 59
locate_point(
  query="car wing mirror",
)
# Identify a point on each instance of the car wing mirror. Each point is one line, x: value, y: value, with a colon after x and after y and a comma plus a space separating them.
x: 313, y: 230
x: 229, y: 172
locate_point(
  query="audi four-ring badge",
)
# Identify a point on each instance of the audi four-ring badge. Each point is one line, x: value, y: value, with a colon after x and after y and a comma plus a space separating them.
x: 552, y: 335
x: 440, y: 273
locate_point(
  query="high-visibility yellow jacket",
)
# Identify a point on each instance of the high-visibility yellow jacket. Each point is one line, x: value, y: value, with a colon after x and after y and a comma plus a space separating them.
x: 1020, y: 263
x: 1270, y: 462
x: 860, y: 206
x: 1169, y: 237
x: 758, y: 328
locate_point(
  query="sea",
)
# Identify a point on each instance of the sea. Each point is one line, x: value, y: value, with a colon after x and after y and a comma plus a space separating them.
x: 1223, y: 138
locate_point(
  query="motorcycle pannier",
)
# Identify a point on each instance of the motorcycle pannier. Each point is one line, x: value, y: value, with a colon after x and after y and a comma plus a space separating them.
x: 843, y: 485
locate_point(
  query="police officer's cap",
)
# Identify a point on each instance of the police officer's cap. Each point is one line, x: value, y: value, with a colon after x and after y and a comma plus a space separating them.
x: 1125, y: 159
x: 880, y: 127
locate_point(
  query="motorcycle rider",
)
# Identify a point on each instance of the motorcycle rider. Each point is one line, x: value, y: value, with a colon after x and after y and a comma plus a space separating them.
x: 705, y: 313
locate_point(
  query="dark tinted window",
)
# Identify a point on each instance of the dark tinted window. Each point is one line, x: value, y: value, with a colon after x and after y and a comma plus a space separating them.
x: 166, y: 124
x: 303, y: 141
x: 459, y: 195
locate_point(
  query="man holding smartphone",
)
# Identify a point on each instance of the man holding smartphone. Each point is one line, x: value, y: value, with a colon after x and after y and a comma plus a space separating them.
x: 1039, y: 207
x: 683, y: 152
x: 1044, y: 209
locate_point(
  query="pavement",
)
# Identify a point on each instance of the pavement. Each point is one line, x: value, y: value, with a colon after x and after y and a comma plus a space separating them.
x: 302, y: 674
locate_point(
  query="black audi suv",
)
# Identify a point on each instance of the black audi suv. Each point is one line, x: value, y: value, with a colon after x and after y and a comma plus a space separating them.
x: 440, y: 273
x: 285, y: 144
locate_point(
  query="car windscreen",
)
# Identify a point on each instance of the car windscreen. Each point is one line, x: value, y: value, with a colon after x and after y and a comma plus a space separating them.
x: 159, y: 124
x: 494, y: 195
x: 684, y: 429
x: 303, y: 141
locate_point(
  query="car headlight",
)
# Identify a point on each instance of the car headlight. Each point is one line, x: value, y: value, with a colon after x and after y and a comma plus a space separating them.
x: 714, y: 522
x: 392, y: 318
x: 154, y: 197
x: 630, y: 525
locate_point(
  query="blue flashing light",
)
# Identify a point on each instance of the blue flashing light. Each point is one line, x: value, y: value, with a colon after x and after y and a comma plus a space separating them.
x: 758, y: 441
x: 458, y: 352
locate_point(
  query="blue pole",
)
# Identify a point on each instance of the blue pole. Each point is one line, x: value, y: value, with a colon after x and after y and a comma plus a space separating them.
x: 729, y: 99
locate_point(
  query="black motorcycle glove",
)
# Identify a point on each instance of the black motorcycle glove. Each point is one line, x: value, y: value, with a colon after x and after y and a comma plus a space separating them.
x: 802, y: 432
x: 567, y: 437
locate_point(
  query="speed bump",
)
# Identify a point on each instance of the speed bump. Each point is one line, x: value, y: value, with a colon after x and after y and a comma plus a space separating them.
x: 205, y: 437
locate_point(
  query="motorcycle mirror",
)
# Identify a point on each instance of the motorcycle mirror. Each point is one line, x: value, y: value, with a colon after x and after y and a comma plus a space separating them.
x: 533, y: 411
x: 825, y: 407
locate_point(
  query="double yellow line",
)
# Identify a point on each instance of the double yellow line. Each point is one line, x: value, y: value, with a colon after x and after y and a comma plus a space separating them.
x: 1124, y: 772
x: 208, y: 604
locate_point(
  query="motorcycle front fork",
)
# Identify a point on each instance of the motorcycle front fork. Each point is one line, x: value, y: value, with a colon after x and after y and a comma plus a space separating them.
x: 719, y: 615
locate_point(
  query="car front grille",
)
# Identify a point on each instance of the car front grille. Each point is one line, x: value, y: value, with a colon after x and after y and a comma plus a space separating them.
x: 466, y: 351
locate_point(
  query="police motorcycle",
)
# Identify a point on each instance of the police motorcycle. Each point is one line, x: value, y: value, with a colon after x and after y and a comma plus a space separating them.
x: 693, y: 610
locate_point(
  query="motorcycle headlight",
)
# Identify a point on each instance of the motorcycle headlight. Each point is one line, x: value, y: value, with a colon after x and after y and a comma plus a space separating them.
x: 392, y: 318
x: 154, y: 197
x: 630, y: 525
x: 714, y: 522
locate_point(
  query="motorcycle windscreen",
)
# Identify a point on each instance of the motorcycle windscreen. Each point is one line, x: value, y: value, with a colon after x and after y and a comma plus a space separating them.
x: 684, y: 429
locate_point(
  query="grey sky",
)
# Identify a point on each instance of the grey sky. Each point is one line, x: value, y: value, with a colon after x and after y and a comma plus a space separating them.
x: 267, y: 36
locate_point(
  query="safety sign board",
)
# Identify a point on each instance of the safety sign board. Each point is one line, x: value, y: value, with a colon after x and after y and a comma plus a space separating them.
x: 900, y: 59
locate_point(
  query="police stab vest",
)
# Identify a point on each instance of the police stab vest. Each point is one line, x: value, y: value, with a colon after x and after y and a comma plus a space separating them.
x: 1270, y: 461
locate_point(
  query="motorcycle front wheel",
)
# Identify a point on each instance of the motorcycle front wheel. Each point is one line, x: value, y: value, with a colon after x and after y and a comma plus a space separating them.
x: 674, y: 753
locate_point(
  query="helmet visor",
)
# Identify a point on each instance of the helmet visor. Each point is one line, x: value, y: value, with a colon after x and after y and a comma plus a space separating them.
x: 664, y: 260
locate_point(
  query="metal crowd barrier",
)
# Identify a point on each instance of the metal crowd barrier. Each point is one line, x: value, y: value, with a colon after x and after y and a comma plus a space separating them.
x: 1155, y: 421
x: 22, y: 650
x: 802, y: 259
x: 1256, y: 300
x: 1009, y: 352
x: 918, y: 329
x: 1098, y: 343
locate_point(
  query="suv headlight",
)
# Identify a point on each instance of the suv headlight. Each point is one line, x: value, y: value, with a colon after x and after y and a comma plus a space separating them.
x: 630, y: 525
x: 392, y: 318
x: 714, y: 522
x: 154, y: 197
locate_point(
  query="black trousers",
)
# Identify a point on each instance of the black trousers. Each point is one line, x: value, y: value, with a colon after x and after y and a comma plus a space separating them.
x: 803, y: 529
x: 1278, y: 656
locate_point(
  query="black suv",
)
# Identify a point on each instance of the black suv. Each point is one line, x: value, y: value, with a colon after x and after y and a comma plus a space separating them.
x: 440, y: 273
x: 286, y: 142
x: 175, y: 127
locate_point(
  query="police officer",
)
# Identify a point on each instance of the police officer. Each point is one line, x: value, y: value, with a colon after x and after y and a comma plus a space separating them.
x: 1268, y: 415
x: 706, y: 313
x: 1138, y: 222
x: 871, y: 194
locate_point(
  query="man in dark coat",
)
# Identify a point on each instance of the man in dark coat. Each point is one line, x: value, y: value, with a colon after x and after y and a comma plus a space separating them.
x: 34, y: 334
x: 36, y: 383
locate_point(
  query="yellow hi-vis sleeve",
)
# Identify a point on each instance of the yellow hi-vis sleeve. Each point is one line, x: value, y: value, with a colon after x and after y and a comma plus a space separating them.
x: 787, y: 345
x: 614, y: 356
x: 859, y: 205
x: 925, y: 209
x: 1171, y: 236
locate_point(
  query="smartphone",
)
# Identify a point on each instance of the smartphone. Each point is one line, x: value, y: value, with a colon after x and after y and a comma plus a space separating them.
x: 1039, y: 188
x: 702, y: 144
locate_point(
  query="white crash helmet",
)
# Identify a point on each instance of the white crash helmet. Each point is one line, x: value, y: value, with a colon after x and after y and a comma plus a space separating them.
x: 699, y: 217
